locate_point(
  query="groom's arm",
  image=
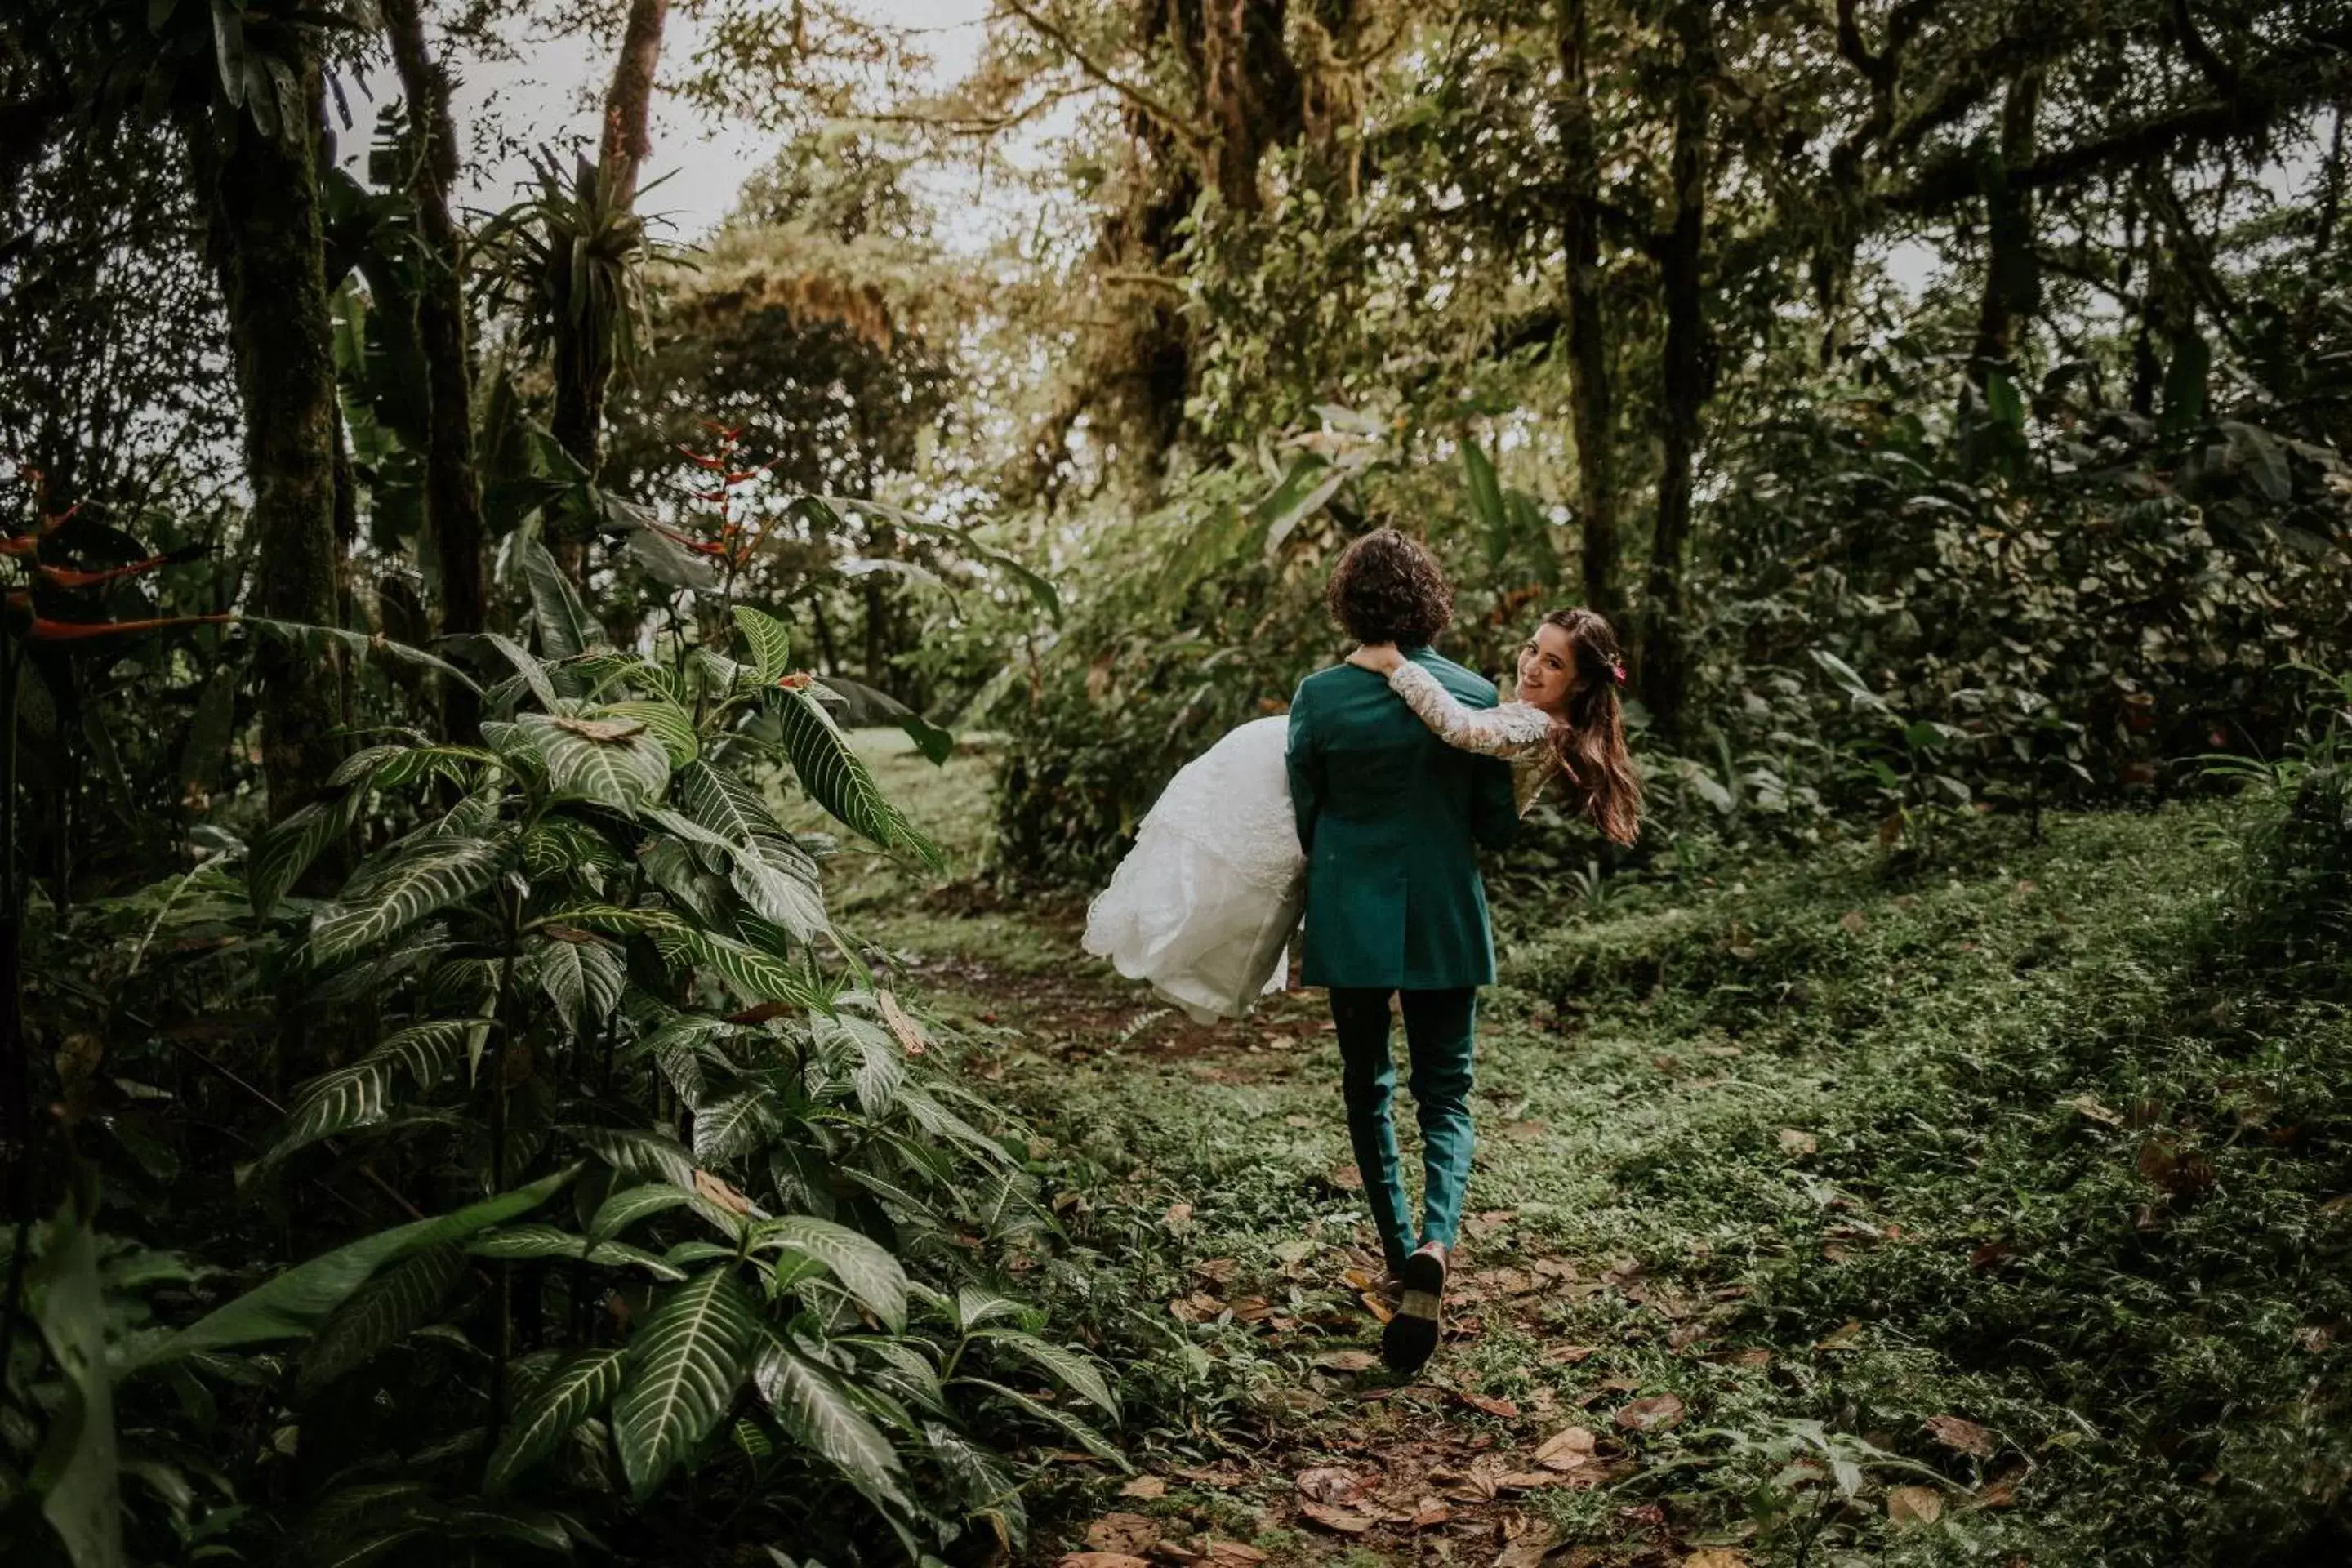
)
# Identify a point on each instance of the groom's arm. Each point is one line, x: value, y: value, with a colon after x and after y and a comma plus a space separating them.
x: 1304, y: 764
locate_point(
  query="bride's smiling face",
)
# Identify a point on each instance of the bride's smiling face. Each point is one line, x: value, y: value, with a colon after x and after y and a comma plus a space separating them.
x: 1548, y: 669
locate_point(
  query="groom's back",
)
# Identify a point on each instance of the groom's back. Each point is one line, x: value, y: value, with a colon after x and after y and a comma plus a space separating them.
x: 1390, y: 817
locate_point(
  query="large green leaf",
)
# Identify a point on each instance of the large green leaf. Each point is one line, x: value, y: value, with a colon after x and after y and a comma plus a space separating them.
x: 731, y: 1125
x: 685, y: 1365
x: 292, y: 1305
x: 1487, y: 503
x: 583, y: 979
x: 281, y: 853
x: 771, y: 644
x: 670, y: 725
x: 360, y: 1095
x: 878, y: 1062
x: 757, y: 976
x: 822, y: 1419
x: 562, y: 1399
x: 565, y: 628
x: 836, y: 778
x: 1080, y: 1373
x: 617, y: 763
x: 776, y: 877
x: 417, y: 878
x: 78, y: 1475
x: 381, y: 1313
x: 864, y: 1265
x: 627, y: 1206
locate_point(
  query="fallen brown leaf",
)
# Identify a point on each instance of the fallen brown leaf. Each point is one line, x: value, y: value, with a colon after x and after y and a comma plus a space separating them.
x: 1487, y: 1403
x: 1527, y: 1550
x: 1840, y: 1338
x: 1345, y: 1520
x: 1145, y: 1488
x: 1179, y: 1217
x: 719, y: 1193
x: 1793, y: 1142
x: 1566, y: 1449
x: 1348, y: 1361
x: 1715, y: 1557
x: 1853, y: 923
x: 1347, y: 1178
x: 1907, y: 1506
x: 1122, y: 1532
x: 905, y: 1030
x: 1654, y: 1413
x: 1100, y: 1560
x: 2091, y: 1109
x: 1430, y: 1511
x: 1235, y: 1554
x: 1330, y: 1484
x: 2000, y: 1494
x: 1567, y: 1355
x: 1966, y: 1436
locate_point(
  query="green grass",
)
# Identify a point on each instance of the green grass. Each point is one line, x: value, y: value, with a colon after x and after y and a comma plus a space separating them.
x: 1823, y: 1156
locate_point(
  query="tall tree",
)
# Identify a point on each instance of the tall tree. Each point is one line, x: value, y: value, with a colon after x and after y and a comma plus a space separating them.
x: 256, y: 173
x: 1591, y: 395
x: 453, y: 498
x: 1685, y: 369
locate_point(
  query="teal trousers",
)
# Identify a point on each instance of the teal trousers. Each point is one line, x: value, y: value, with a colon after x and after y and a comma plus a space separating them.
x: 1439, y: 1029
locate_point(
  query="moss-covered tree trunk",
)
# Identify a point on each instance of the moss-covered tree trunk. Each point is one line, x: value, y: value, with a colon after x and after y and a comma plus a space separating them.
x: 261, y: 197
x: 1662, y: 652
x: 452, y: 497
x: 1591, y: 401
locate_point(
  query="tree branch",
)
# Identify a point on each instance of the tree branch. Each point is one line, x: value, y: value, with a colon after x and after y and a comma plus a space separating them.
x: 1176, y: 124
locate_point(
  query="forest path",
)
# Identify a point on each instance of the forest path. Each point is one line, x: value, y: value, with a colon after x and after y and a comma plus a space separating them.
x: 1271, y: 1427
x: 1803, y: 1197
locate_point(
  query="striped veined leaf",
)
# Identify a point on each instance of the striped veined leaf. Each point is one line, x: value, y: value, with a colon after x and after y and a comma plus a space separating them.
x: 669, y: 723
x: 878, y: 1067
x: 732, y: 1125
x: 583, y: 979
x: 615, y: 763
x: 621, y: 1255
x: 984, y: 1486
x: 523, y: 1242
x: 771, y: 644
x: 905, y: 1370
x: 281, y: 853
x: 756, y: 976
x: 1084, y: 1436
x: 533, y: 672
x: 380, y: 1314
x: 679, y: 873
x: 292, y: 1305
x: 811, y: 1405
x: 416, y: 879
x: 635, y: 1153
x: 627, y: 1206
x: 864, y: 1265
x: 571, y: 1394
x: 976, y: 1304
x: 1486, y: 502
x: 360, y: 1095
x: 837, y: 780
x: 685, y: 1365
x: 773, y: 873
x: 565, y: 627
x: 1078, y: 1372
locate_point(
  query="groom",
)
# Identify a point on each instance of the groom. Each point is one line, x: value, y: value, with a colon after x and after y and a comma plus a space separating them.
x: 1390, y: 818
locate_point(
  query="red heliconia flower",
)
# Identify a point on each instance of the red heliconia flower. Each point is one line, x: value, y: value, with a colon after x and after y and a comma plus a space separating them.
x: 799, y: 681
x: 83, y: 631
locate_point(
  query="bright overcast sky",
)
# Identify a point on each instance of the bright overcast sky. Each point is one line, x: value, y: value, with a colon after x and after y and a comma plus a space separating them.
x: 552, y: 95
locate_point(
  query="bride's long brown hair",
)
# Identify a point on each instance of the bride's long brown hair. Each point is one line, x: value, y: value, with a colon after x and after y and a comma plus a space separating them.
x: 1588, y: 735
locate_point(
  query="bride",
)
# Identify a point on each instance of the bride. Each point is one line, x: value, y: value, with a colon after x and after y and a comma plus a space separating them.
x: 1204, y: 906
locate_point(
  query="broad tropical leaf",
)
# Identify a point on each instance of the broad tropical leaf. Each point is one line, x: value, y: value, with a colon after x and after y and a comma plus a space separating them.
x: 533, y: 672
x: 281, y: 854
x: 864, y: 1268
x: 419, y: 877
x: 731, y: 1126
x: 757, y: 976
x: 292, y: 1305
x: 79, y: 1482
x: 1083, y: 1377
x: 771, y: 644
x: 668, y: 722
x: 1086, y: 1437
x: 776, y: 877
x: 528, y: 1241
x: 617, y: 763
x: 565, y: 627
x: 621, y: 1255
x: 822, y: 1419
x: 627, y: 1206
x: 879, y: 1064
x: 381, y: 1313
x: 564, y: 1398
x: 641, y: 1155
x: 583, y: 979
x: 685, y: 1365
x: 836, y: 779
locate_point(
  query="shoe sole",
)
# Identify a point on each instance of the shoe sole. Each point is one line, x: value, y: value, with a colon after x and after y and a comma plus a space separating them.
x: 1411, y: 1336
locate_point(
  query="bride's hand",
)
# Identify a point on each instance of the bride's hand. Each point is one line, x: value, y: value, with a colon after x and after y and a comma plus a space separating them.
x: 1379, y: 658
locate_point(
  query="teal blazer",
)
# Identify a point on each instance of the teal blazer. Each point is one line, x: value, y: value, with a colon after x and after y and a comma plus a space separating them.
x: 1391, y: 818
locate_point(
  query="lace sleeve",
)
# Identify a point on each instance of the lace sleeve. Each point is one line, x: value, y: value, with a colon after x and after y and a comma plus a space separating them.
x: 1504, y: 731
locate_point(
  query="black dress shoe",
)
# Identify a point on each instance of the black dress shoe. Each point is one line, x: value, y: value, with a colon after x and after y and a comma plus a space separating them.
x: 1411, y: 1336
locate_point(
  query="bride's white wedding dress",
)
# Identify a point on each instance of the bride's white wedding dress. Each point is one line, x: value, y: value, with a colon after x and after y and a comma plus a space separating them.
x: 1205, y: 905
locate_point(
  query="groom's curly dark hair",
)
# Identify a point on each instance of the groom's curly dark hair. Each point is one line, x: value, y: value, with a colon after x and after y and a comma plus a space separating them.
x: 1389, y: 588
